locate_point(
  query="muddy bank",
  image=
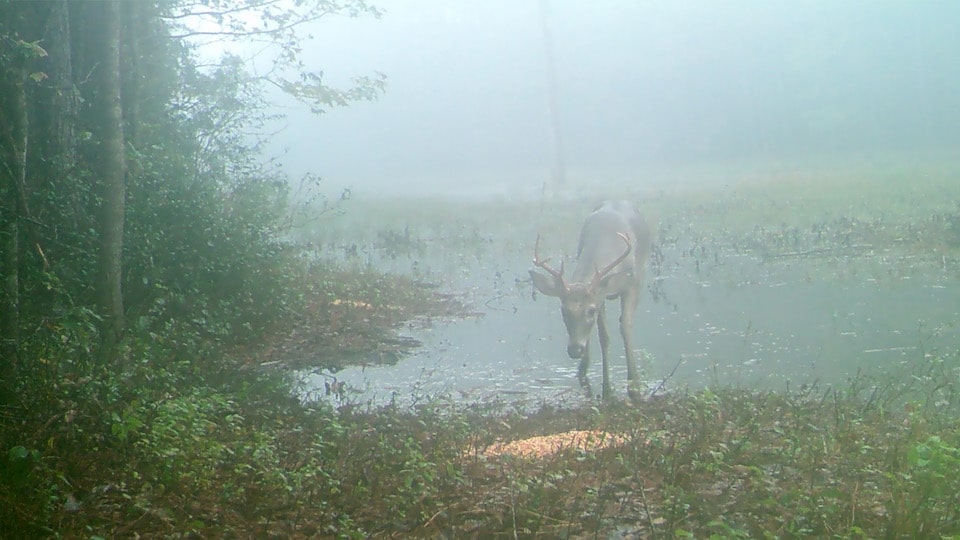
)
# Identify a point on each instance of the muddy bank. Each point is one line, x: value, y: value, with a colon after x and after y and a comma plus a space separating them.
x: 354, y: 318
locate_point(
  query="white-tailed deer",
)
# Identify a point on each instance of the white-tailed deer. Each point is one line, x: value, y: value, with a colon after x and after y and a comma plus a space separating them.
x: 605, y: 270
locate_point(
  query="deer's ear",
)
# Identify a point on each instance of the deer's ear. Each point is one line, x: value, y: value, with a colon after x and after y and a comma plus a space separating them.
x: 546, y: 284
x: 615, y: 282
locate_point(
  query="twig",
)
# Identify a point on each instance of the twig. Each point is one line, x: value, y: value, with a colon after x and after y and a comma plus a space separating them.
x: 664, y: 380
x: 513, y: 511
x: 646, y: 510
x: 853, y: 504
x: 433, y: 517
x: 819, y: 251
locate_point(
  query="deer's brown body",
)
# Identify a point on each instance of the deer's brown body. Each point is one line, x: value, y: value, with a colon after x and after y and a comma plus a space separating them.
x: 615, y: 244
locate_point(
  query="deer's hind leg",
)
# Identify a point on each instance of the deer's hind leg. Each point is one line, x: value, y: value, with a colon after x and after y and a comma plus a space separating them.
x: 628, y: 306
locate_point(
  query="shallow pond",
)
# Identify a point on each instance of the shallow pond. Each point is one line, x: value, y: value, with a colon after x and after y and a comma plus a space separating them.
x: 709, y: 316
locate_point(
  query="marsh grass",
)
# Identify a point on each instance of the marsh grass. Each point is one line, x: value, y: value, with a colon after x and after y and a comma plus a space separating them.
x: 886, y: 205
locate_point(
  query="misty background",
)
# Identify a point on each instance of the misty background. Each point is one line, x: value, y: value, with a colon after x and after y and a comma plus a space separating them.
x: 643, y: 89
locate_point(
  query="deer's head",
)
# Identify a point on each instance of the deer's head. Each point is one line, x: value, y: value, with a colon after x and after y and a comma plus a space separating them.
x: 580, y: 303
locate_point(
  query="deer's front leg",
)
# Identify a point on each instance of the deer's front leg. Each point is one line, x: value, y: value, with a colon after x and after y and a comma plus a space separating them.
x: 604, y: 349
x: 582, y: 371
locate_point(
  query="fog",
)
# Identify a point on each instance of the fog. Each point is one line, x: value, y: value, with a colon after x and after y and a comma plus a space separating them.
x: 640, y: 86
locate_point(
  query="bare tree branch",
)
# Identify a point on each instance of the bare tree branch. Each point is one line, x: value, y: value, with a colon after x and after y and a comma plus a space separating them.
x: 214, y: 13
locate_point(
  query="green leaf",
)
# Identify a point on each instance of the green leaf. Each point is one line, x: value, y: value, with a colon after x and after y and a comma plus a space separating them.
x: 18, y: 453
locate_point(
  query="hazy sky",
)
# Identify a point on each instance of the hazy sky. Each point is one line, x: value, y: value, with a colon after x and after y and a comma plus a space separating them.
x: 639, y: 84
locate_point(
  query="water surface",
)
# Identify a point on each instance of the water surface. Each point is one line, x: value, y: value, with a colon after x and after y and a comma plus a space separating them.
x: 718, y: 317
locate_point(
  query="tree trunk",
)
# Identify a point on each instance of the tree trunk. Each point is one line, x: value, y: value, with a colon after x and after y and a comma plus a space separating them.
x: 559, y: 172
x: 133, y: 31
x: 53, y: 114
x: 111, y: 169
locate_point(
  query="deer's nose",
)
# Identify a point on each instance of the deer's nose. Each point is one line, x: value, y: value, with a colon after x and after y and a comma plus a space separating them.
x: 575, y: 350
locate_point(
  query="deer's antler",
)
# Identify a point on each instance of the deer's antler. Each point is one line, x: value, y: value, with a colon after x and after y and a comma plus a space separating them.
x: 542, y: 263
x: 606, y: 269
